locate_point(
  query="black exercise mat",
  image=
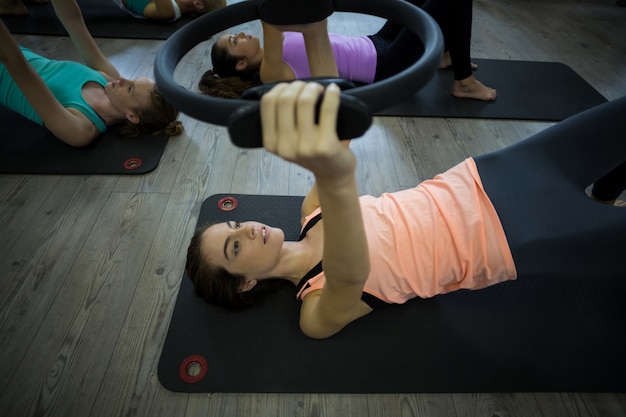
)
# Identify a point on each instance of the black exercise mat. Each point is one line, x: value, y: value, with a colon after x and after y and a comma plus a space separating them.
x: 27, y: 148
x: 103, y: 18
x: 527, y: 90
x: 518, y: 336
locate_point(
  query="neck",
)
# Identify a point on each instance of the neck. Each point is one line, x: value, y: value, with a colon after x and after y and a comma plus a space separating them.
x: 255, y: 63
x: 297, y: 259
x: 99, y: 101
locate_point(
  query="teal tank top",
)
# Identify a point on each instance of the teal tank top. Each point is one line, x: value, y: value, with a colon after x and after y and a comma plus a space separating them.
x: 136, y: 6
x: 64, y: 78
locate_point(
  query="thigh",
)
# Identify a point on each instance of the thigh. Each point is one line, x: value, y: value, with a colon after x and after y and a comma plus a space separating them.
x: 538, y: 189
x: 397, y: 55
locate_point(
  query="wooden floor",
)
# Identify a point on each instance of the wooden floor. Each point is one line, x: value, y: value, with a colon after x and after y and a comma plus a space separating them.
x: 90, y: 265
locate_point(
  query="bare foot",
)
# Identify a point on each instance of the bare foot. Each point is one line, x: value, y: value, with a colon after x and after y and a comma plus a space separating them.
x: 470, y: 87
x: 446, y: 62
x: 14, y: 7
x: 616, y: 203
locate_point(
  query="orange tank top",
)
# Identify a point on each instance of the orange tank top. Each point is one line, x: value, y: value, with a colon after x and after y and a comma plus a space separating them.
x: 441, y: 236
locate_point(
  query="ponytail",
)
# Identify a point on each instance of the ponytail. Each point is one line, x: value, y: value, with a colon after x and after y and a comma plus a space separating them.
x: 227, y: 87
x: 224, y: 80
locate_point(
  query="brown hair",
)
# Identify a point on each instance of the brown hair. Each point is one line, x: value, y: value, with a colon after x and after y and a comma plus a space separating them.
x: 157, y: 118
x: 218, y: 286
x: 224, y: 80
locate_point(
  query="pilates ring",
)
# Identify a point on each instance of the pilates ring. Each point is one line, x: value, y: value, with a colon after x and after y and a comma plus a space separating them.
x: 195, y: 363
x: 132, y: 163
x: 363, y: 100
x: 227, y: 203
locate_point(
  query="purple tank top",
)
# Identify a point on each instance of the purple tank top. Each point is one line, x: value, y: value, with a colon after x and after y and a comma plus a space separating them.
x: 355, y: 56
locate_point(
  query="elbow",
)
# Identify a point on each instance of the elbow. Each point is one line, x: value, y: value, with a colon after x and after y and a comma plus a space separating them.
x: 83, y: 143
x: 78, y: 141
x: 316, y: 333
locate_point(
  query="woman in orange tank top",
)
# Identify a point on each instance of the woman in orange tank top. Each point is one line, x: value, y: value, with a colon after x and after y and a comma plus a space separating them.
x: 521, y: 212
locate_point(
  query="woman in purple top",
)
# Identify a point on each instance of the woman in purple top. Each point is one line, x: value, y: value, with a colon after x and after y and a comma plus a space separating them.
x: 239, y: 61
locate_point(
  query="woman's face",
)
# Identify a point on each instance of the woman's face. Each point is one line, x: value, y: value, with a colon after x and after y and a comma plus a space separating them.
x: 251, y: 249
x: 242, y: 45
x: 128, y: 96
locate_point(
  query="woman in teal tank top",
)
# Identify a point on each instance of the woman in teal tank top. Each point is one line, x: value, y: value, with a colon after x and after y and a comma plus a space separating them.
x: 75, y: 101
x: 169, y: 10
x: 164, y: 10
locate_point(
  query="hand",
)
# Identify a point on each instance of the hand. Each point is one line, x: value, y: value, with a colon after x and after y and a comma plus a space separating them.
x: 290, y: 130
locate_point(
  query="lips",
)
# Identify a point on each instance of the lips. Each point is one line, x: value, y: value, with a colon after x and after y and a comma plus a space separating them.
x: 265, y: 234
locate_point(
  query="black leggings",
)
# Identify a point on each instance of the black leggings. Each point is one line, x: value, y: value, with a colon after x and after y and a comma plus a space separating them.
x: 537, y: 187
x: 609, y: 187
x: 397, y: 47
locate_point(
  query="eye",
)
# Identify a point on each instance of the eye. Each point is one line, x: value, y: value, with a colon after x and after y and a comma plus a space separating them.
x: 236, y: 247
x: 237, y: 225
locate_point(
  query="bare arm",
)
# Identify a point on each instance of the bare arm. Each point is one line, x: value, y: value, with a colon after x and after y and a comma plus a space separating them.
x: 295, y: 137
x: 318, y: 49
x: 71, y: 17
x: 273, y: 68
x: 159, y: 10
x: 312, y: 200
x: 70, y: 126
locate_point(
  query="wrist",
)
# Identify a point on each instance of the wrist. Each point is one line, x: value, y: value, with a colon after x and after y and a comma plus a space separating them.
x: 336, y: 183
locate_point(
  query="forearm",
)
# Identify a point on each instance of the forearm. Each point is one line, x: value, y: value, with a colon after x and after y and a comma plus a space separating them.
x: 71, y: 17
x: 312, y: 200
x: 9, y: 49
x: 22, y: 73
x: 319, y: 51
x: 272, y: 66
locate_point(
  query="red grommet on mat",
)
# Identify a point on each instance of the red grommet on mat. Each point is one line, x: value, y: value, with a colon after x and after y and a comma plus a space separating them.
x: 227, y: 203
x: 193, y: 369
x: 133, y: 163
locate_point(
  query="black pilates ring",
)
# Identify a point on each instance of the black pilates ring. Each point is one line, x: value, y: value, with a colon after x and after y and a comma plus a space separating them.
x: 369, y: 98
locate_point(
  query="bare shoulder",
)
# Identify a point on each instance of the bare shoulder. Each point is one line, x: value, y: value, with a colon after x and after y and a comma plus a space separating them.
x: 86, y: 130
x: 106, y: 76
x: 325, y: 312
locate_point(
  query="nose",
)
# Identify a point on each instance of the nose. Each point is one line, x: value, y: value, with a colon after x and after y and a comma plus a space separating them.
x: 241, y: 35
x: 250, y: 230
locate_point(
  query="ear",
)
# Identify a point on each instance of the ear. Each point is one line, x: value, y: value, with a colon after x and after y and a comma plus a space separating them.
x: 133, y: 118
x: 198, y: 5
x: 242, y: 64
x: 248, y: 285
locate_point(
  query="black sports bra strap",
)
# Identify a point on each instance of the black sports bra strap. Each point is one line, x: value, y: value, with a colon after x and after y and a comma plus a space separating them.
x: 369, y: 299
x: 309, y: 225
